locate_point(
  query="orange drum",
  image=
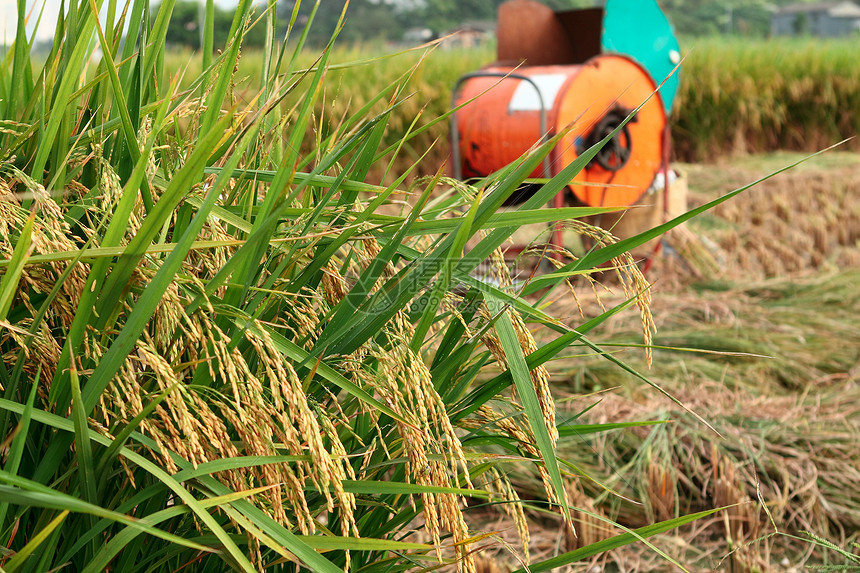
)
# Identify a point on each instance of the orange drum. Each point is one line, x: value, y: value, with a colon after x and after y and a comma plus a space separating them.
x: 593, y: 98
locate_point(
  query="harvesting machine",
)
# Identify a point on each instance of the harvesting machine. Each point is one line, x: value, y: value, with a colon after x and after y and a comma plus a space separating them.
x: 583, y: 71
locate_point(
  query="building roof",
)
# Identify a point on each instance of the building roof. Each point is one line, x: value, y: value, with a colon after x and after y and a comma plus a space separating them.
x: 481, y: 26
x: 833, y: 9
x: 846, y: 10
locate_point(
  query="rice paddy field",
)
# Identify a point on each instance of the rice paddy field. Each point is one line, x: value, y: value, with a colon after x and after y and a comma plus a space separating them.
x: 247, y: 323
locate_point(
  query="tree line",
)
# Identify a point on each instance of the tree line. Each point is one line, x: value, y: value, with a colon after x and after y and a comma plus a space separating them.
x: 378, y: 21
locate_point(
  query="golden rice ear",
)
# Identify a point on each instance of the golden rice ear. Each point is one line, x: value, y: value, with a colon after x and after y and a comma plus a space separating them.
x: 430, y: 443
x: 333, y: 285
x: 502, y: 489
x: 623, y: 267
x: 50, y: 234
x: 540, y: 375
x: 628, y: 275
x: 524, y: 438
x: 201, y: 429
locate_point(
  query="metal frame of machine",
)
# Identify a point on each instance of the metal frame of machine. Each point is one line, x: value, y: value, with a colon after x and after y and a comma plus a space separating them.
x: 581, y: 73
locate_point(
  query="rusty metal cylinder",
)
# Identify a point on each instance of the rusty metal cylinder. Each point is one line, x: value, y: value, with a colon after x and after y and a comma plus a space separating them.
x: 509, y: 115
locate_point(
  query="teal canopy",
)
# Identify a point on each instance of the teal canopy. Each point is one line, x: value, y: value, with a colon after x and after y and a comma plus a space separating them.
x: 639, y: 29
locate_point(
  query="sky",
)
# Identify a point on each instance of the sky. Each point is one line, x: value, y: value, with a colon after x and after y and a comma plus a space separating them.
x: 9, y: 18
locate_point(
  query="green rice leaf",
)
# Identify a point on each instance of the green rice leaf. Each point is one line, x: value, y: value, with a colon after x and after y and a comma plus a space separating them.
x: 118, y: 542
x: 82, y: 442
x: 526, y: 391
x: 587, y: 429
x: 32, y: 496
x: 443, y: 281
x: 9, y: 281
x: 21, y: 556
x: 372, y: 487
x: 128, y: 129
x: 21, y: 432
x: 63, y: 100
x: 614, y: 542
x: 329, y: 543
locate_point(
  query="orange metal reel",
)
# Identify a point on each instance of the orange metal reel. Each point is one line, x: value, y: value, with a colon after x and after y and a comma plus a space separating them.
x: 612, y: 85
x: 505, y: 122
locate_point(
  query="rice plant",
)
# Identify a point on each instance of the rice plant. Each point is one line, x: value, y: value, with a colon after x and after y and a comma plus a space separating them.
x: 224, y: 347
x: 741, y: 96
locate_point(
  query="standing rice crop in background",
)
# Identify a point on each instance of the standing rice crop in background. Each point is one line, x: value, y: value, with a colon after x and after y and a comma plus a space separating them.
x: 765, y: 95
